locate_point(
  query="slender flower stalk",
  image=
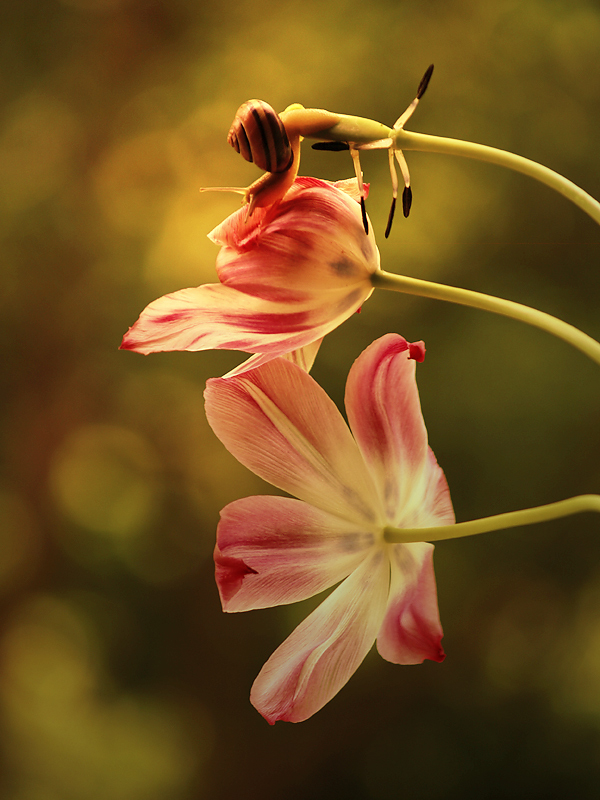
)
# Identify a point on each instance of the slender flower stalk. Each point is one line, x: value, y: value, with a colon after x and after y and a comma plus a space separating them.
x: 512, y: 519
x: 508, y: 308
x: 409, y: 140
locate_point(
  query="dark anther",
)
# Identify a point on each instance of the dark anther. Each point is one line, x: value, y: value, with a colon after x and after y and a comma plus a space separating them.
x: 406, y: 200
x: 390, y: 218
x: 364, y: 215
x: 424, y: 82
x: 331, y: 146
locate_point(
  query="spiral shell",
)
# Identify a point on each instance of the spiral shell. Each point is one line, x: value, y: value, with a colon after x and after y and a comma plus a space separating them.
x: 258, y: 134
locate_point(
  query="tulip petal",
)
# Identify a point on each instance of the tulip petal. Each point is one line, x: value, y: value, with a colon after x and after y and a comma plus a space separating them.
x: 411, y: 630
x: 218, y: 317
x: 382, y: 402
x: 312, y: 241
x: 304, y: 357
x: 437, y: 504
x: 275, y: 550
x: 319, y: 657
x: 350, y: 187
x: 278, y: 422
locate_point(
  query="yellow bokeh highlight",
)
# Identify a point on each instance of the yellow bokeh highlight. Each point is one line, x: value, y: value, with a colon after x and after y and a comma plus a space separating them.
x: 134, y: 181
x: 39, y: 140
x: 106, y: 478
x: 70, y: 733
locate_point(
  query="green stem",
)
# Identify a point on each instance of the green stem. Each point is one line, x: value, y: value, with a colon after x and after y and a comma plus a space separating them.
x: 408, y: 140
x: 466, y: 297
x: 513, y: 519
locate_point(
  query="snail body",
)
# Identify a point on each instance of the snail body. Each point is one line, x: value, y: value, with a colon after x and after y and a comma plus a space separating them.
x: 272, y: 142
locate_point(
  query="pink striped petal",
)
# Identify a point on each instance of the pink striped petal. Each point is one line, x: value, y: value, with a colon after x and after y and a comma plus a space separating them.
x: 304, y: 357
x: 319, y: 657
x: 274, y: 550
x: 382, y: 402
x: 218, y: 317
x: 411, y: 630
x: 280, y: 424
x: 312, y: 241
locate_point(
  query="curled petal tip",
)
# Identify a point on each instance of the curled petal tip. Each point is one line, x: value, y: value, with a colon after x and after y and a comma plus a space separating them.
x: 416, y: 351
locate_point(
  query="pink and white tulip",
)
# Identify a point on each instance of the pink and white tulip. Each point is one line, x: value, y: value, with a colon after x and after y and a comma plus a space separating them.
x: 289, y: 274
x: 350, y: 485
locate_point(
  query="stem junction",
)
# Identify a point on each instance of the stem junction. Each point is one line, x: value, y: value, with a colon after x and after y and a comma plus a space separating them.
x: 513, y: 519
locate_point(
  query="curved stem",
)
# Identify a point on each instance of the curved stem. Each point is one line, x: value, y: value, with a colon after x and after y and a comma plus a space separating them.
x: 507, y: 308
x: 408, y: 140
x: 513, y: 519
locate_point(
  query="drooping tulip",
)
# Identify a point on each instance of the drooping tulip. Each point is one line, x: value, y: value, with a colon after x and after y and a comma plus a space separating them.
x: 351, y: 485
x: 289, y: 274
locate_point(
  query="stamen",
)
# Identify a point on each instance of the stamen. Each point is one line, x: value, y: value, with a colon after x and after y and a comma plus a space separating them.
x: 331, y: 146
x: 363, y: 211
x: 388, y: 227
x: 398, y: 125
x: 425, y: 81
x: 394, y: 176
x: 250, y: 206
x: 407, y: 193
x: 406, y: 200
x: 361, y: 188
x: 403, y: 166
x: 406, y: 115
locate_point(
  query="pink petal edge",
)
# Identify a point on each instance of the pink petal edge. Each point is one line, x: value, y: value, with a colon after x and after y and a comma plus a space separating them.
x: 411, y: 631
x: 384, y: 411
x: 219, y: 317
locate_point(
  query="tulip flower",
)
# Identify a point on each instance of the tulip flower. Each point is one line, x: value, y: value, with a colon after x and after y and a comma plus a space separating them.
x: 350, y: 486
x: 289, y: 274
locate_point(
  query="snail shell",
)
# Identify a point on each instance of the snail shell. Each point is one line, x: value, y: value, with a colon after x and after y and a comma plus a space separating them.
x: 258, y: 134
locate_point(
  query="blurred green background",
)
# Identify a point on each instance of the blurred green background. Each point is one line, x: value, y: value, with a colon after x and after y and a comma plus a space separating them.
x: 120, y: 677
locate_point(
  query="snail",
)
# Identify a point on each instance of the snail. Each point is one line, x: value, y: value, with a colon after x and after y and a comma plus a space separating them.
x: 259, y: 135
x: 272, y: 142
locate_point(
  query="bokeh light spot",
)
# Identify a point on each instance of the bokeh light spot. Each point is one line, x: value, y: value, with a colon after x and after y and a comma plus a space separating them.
x: 106, y: 478
x: 70, y: 733
x: 19, y: 540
